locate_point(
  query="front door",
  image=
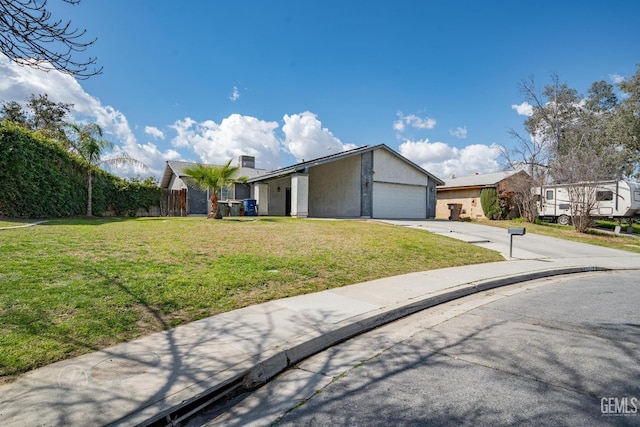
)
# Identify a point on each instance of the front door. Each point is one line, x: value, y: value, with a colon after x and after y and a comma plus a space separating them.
x: 287, y: 202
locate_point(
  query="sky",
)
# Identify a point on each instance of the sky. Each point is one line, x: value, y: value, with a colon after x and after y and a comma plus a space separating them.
x: 285, y: 81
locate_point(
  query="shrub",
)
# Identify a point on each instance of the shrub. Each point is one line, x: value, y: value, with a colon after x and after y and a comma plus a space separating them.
x: 38, y: 178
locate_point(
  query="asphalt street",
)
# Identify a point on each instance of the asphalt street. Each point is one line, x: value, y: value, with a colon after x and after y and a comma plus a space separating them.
x: 560, y: 351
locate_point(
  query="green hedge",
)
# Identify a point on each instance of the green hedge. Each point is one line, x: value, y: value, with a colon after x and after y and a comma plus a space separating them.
x: 38, y: 178
x: 493, y: 205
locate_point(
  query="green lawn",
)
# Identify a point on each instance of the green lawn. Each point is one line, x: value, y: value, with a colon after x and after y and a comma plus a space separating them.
x: 69, y: 287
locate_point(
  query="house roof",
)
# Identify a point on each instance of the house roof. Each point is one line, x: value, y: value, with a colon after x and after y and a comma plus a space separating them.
x: 303, y: 166
x: 477, y: 180
x: 178, y: 168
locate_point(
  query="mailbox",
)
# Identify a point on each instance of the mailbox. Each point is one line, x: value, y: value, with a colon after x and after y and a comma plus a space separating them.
x: 517, y: 231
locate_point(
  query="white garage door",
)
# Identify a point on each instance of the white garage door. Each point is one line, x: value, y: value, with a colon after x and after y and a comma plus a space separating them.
x: 399, y: 201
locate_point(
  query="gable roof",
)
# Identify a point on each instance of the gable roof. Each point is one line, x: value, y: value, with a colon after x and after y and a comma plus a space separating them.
x: 178, y: 168
x: 477, y: 180
x: 303, y: 166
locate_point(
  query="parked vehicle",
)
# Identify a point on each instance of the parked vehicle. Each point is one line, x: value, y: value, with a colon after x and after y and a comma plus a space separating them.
x: 613, y: 199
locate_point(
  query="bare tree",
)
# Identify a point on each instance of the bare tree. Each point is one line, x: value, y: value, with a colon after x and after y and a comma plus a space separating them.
x: 572, y: 141
x: 29, y: 36
x: 531, y: 152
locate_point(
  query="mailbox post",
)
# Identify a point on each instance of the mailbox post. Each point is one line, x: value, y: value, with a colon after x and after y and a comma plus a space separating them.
x: 515, y: 231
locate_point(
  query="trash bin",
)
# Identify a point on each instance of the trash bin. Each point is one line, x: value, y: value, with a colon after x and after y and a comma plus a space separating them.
x: 224, y: 208
x: 249, y: 207
x: 454, y: 211
x: 234, y: 208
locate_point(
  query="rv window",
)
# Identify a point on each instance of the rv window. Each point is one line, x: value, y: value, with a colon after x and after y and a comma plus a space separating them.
x: 549, y: 194
x: 603, y: 196
x: 536, y: 197
x: 636, y: 196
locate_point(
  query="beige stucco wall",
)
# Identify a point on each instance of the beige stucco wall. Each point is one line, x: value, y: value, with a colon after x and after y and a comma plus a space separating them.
x: 389, y: 168
x: 277, y: 198
x: 334, y: 189
x: 469, y: 198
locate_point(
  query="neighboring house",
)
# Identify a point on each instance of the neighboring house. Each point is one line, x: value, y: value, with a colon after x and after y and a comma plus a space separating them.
x: 460, y: 196
x: 369, y: 182
x: 197, y: 200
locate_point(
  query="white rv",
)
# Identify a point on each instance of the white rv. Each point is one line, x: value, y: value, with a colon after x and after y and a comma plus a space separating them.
x: 614, y: 199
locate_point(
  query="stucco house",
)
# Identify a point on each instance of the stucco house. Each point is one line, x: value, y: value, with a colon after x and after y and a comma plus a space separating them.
x: 366, y: 182
x: 460, y: 196
x: 197, y: 200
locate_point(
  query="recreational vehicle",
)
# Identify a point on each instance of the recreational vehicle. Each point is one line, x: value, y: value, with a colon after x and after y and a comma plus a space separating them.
x: 613, y: 199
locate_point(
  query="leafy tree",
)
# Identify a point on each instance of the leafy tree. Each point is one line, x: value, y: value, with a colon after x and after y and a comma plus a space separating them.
x: 29, y: 36
x: 48, y: 117
x: 88, y: 144
x: 12, y: 112
x: 40, y: 114
x: 214, y: 178
x: 627, y: 123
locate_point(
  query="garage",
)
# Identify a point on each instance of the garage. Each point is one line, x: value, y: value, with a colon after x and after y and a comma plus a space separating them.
x: 399, y: 201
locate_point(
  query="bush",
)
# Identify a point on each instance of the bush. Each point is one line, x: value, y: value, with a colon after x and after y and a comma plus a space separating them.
x: 38, y: 178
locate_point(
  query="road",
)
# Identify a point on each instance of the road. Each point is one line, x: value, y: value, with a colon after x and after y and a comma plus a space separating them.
x: 561, y: 351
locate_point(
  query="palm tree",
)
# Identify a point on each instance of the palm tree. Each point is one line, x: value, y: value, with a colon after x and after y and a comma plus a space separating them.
x: 87, y: 142
x: 214, y: 178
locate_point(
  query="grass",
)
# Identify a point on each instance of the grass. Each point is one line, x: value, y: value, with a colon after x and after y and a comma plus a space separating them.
x: 10, y: 222
x: 69, y: 287
x: 611, y: 225
x: 567, y: 232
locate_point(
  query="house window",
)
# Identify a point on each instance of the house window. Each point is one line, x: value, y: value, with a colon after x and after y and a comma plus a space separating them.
x: 549, y: 194
x: 603, y: 196
x: 225, y: 193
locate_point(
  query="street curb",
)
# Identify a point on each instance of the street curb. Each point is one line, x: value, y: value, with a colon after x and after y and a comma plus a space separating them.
x: 275, y: 361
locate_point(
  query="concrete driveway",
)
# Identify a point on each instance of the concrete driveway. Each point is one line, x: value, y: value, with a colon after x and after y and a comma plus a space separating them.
x: 529, y: 246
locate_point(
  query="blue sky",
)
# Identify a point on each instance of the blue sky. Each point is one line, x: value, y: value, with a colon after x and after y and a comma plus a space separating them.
x: 291, y: 80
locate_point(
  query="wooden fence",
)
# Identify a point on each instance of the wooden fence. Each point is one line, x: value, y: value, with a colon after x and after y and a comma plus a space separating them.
x: 173, y: 203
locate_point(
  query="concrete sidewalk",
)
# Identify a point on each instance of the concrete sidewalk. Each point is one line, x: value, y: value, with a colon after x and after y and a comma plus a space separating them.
x: 142, y: 381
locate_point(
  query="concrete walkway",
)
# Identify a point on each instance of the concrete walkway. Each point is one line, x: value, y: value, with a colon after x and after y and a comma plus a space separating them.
x: 142, y: 381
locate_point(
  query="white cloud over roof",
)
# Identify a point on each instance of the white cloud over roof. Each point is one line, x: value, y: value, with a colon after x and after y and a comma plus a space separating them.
x: 306, y: 139
x: 234, y: 136
x: 443, y: 161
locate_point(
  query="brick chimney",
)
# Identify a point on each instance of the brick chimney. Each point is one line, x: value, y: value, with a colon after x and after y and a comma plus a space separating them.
x: 247, y: 162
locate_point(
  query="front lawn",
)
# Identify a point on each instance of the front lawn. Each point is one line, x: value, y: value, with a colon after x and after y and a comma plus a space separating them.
x: 74, y: 286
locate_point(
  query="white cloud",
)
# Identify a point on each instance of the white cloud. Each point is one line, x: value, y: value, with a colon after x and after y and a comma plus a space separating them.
x: 306, y: 139
x: 460, y: 133
x: 524, y: 109
x: 616, y: 78
x: 235, y: 95
x: 154, y: 132
x: 413, y: 121
x: 18, y: 83
x: 236, y: 135
x: 444, y: 161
